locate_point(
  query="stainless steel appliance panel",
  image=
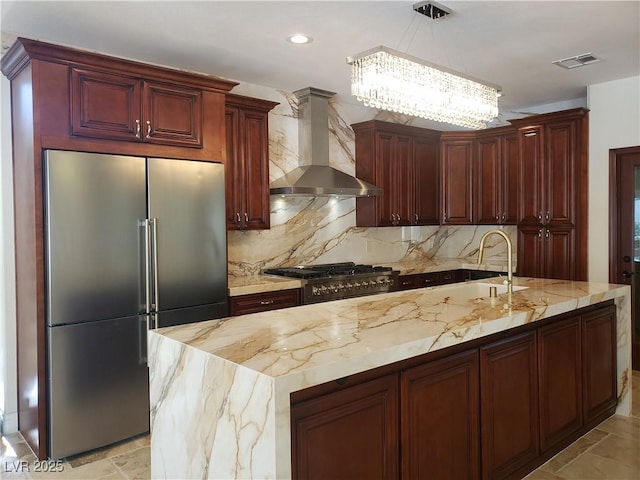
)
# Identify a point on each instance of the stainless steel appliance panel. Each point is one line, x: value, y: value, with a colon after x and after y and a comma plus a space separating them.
x: 187, y: 208
x: 99, y: 390
x: 93, y: 205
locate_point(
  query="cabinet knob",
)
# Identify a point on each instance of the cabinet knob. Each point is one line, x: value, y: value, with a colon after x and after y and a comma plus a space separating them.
x: 416, y: 217
x: 238, y: 218
x: 148, y: 129
x: 504, y: 217
x: 138, y: 129
x: 246, y: 218
x: 547, y: 216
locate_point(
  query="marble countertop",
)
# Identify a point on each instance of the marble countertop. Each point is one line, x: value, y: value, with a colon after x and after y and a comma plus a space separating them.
x: 220, y: 390
x: 315, y: 343
x: 270, y: 283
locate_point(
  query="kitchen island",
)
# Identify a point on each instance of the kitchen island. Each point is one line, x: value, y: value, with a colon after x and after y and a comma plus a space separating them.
x: 221, y: 390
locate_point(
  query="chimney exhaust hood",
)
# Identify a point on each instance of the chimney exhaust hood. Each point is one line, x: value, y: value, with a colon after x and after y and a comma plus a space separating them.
x: 314, y: 176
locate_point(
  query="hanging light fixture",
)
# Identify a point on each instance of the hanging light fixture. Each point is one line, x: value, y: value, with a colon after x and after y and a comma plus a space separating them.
x: 390, y: 80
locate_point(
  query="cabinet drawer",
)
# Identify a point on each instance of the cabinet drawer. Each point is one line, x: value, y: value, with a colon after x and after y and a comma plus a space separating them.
x: 261, y: 302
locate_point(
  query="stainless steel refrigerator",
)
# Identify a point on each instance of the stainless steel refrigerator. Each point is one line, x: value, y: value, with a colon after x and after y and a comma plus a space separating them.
x: 132, y: 243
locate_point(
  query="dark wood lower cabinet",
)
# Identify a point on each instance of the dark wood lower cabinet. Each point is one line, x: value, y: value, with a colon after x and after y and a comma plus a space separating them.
x: 348, y: 434
x: 261, y: 302
x: 439, y: 419
x: 495, y: 410
x: 560, y: 367
x: 599, y: 360
x: 509, y: 405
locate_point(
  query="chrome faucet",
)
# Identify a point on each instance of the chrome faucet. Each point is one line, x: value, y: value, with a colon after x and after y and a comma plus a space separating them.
x: 509, y: 281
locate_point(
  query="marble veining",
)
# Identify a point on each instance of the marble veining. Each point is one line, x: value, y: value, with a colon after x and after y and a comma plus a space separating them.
x: 307, y: 230
x: 220, y: 389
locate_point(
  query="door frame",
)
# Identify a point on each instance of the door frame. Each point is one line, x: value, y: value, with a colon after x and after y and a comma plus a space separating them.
x: 615, y: 164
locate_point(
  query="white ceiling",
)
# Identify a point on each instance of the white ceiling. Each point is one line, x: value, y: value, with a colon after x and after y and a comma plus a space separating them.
x: 509, y: 43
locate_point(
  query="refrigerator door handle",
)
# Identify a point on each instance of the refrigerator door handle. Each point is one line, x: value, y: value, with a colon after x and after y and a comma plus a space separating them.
x: 143, y: 325
x: 154, y: 241
x: 147, y: 267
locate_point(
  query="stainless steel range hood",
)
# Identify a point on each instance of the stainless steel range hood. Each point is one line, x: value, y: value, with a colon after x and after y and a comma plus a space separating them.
x: 314, y: 176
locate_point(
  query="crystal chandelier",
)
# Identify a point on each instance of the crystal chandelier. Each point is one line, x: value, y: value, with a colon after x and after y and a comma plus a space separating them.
x: 390, y: 80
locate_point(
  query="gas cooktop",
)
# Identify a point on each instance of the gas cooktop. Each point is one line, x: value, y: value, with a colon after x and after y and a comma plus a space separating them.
x: 333, y: 281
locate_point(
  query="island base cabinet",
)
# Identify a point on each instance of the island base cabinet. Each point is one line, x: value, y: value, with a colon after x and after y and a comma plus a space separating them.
x: 509, y: 407
x: 440, y: 419
x: 348, y: 434
x: 496, y: 410
x: 599, y: 359
x: 560, y: 366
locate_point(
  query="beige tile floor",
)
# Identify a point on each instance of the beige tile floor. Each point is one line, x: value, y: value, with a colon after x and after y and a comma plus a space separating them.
x: 609, y: 451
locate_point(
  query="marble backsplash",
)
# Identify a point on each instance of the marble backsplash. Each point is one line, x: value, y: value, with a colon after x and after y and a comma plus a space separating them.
x: 311, y: 230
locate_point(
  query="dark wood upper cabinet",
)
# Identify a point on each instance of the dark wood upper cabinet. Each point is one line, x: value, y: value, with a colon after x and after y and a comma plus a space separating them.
x: 403, y: 161
x: 456, y: 150
x: 127, y: 108
x: 247, y: 166
x: 496, y: 177
x: 553, y: 195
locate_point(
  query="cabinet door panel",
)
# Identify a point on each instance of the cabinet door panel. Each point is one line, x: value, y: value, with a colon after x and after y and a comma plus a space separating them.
x: 488, y: 185
x: 531, y: 175
x: 403, y: 179
x: 560, y: 173
x: 426, y: 181
x: 560, y: 360
x: 106, y: 106
x: 530, y: 251
x: 256, y: 167
x: 234, y: 173
x: 172, y: 115
x: 559, y: 253
x: 348, y: 434
x: 510, y: 171
x: 439, y: 419
x: 599, y: 360
x: 457, y: 189
x: 509, y: 408
x: 385, y: 178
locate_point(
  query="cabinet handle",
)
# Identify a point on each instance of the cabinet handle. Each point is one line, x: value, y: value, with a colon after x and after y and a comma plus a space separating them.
x: 148, y: 129
x: 138, y: 129
x: 238, y: 218
x: 444, y: 216
x: 267, y: 302
x: 246, y: 218
x: 546, y: 235
x: 504, y: 217
x: 417, y: 218
x: 530, y: 134
x: 540, y: 217
x: 497, y: 218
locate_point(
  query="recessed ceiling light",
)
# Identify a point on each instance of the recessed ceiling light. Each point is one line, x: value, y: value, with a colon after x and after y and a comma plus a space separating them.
x: 299, y: 38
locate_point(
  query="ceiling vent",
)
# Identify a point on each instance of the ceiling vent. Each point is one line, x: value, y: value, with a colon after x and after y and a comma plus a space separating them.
x: 577, y: 61
x: 431, y: 9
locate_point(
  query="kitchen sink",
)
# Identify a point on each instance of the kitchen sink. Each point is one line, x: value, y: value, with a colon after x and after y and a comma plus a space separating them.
x: 466, y: 291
